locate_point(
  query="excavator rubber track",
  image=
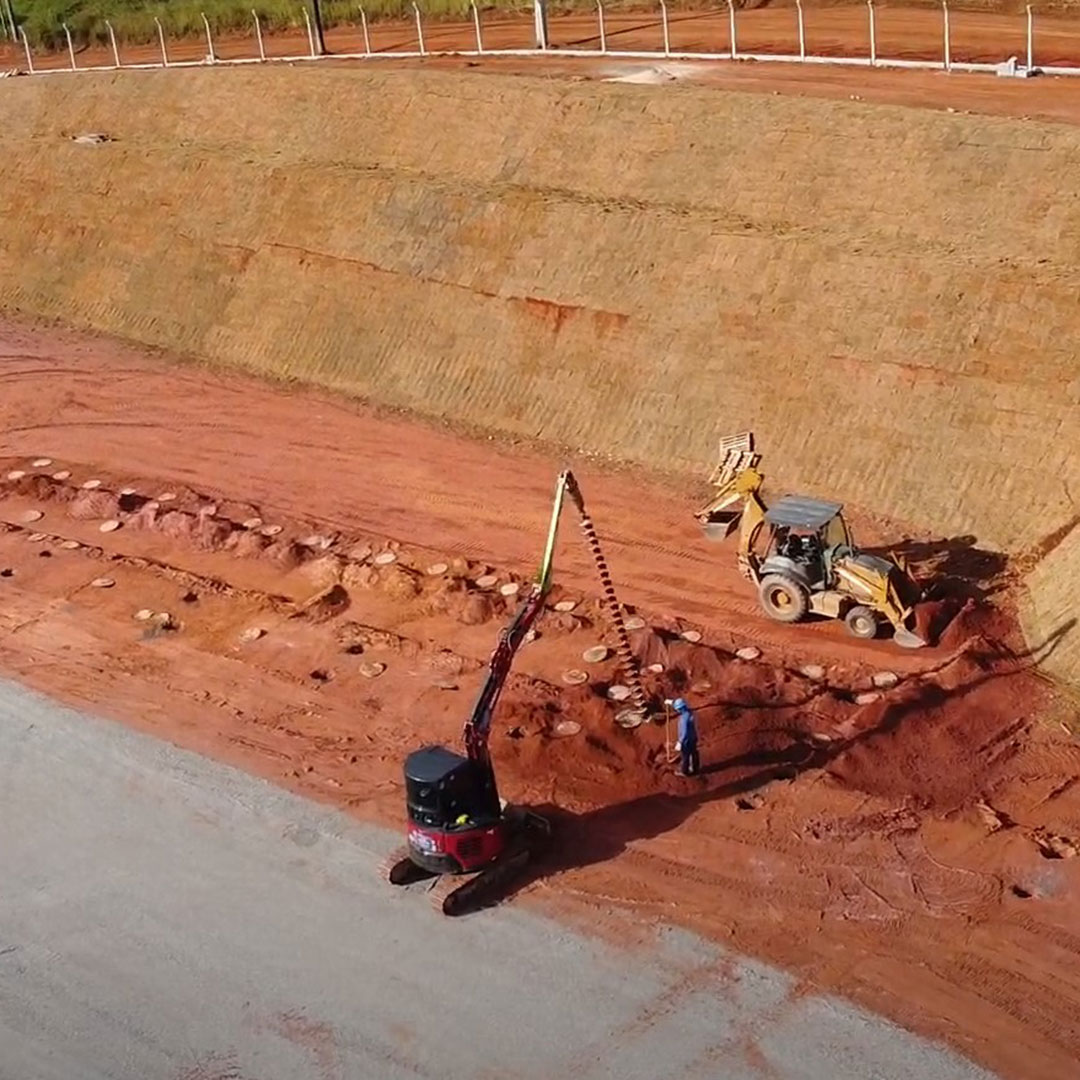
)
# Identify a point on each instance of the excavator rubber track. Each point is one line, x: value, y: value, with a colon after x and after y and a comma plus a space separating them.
x: 460, y: 894
x: 399, y: 869
x: 457, y: 895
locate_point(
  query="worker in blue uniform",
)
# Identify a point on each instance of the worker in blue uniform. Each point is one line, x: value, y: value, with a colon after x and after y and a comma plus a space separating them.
x: 687, y: 744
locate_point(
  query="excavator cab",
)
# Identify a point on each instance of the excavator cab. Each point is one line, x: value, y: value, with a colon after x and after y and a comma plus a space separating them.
x: 455, y: 817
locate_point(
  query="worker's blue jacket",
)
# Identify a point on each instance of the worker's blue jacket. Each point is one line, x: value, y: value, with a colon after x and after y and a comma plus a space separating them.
x: 687, y: 729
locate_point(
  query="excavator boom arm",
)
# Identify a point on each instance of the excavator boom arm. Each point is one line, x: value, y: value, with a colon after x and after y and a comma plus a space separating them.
x: 478, y: 726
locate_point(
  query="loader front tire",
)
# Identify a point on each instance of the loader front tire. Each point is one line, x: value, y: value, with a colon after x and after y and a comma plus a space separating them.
x: 783, y: 599
x: 861, y: 623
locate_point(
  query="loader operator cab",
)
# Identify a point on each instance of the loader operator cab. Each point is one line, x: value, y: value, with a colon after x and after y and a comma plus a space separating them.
x: 803, y: 539
x: 446, y: 791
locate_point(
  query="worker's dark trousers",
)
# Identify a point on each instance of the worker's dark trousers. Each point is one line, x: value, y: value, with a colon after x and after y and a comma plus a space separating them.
x: 691, y: 760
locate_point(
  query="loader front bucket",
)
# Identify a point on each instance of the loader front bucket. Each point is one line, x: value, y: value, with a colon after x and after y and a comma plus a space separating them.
x: 905, y: 594
x: 906, y: 639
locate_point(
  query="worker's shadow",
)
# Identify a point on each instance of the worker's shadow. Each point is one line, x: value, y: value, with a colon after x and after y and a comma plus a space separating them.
x: 587, y: 839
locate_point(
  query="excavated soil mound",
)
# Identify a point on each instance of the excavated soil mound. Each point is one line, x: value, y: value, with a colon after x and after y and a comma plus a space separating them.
x: 942, y: 742
x: 88, y: 505
x: 940, y: 747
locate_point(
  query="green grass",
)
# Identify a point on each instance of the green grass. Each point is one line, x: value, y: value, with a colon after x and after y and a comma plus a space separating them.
x: 133, y: 20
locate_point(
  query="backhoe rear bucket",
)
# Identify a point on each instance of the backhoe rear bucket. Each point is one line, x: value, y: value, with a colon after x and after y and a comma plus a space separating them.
x: 720, y: 524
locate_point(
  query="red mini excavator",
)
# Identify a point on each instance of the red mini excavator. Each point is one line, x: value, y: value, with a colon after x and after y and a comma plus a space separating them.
x: 458, y: 825
x: 459, y: 828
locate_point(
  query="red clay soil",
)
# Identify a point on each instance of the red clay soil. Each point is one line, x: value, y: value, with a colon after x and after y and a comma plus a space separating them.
x: 1051, y: 99
x: 914, y: 852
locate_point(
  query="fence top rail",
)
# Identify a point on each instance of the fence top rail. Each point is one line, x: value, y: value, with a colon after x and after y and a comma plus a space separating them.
x: 664, y: 49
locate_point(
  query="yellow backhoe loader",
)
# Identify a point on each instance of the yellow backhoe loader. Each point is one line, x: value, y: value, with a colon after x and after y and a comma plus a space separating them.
x: 800, y: 556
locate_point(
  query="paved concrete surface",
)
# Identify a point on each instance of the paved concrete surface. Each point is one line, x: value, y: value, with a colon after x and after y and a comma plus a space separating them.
x: 166, y: 918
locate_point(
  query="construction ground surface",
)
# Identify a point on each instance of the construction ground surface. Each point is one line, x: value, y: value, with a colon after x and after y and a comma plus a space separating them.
x: 912, y: 853
x: 506, y: 259
x: 168, y: 917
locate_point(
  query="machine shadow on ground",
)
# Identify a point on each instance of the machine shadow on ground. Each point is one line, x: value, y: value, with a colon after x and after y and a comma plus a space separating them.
x: 597, y: 836
x: 955, y: 566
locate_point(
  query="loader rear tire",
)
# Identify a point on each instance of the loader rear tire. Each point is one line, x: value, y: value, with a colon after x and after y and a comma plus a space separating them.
x: 861, y: 623
x: 783, y: 599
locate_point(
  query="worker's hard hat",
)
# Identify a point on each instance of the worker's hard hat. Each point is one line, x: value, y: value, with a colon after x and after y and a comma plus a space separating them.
x: 679, y: 704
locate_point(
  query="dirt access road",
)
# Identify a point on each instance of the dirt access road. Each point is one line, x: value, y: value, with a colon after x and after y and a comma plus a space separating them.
x: 255, y: 940
x: 913, y: 851
x: 902, y: 33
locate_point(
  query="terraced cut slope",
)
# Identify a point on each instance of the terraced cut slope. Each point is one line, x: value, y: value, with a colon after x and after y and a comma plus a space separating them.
x: 886, y: 295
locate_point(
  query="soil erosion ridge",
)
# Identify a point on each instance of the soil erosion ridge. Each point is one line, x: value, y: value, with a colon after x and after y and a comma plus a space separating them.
x: 886, y: 295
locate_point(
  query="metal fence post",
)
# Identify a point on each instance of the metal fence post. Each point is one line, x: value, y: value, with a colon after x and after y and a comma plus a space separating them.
x: 26, y: 46
x: 543, y: 43
x: 161, y: 39
x: 209, y: 40
x: 419, y: 29
x: 112, y: 40
x: 476, y: 27
x: 540, y: 23
x: 71, y: 47
x: 947, y: 55
x: 363, y: 24
x: 258, y: 34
